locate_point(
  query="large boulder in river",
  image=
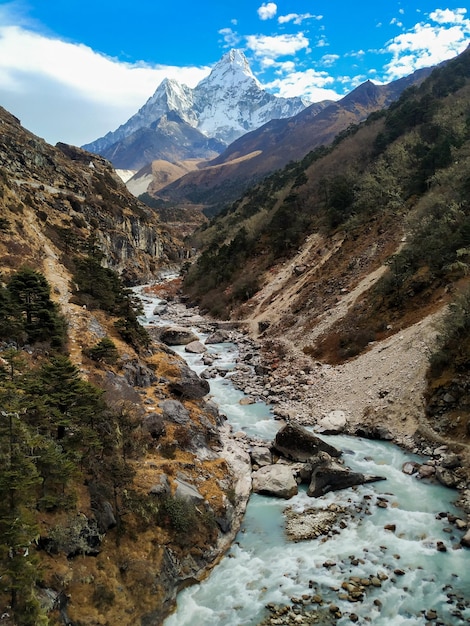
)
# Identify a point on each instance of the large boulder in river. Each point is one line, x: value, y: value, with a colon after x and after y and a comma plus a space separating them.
x: 298, y: 444
x: 332, y: 476
x: 189, y: 385
x: 177, y: 336
x: 195, y: 347
x: 275, y: 480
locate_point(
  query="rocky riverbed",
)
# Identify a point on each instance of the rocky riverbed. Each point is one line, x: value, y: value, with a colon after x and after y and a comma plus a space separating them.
x: 273, y: 468
x: 301, y: 390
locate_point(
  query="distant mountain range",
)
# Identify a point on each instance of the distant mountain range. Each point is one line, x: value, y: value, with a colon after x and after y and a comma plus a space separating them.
x: 277, y: 142
x: 233, y: 132
x: 179, y: 123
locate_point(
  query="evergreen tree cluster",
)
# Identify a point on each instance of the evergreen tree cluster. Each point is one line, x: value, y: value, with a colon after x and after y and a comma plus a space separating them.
x: 56, y: 431
x: 27, y: 313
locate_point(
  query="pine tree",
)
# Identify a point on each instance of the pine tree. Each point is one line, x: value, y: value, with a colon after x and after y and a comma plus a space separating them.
x: 30, y: 294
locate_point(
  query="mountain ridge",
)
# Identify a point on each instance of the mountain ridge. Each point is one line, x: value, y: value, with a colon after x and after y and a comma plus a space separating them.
x: 226, y: 104
x: 279, y: 141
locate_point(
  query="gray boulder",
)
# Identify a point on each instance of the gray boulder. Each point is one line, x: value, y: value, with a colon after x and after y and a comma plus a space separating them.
x: 218, y: 336
x: 187, y: 491
x: 446, y: 477
x: 275, y: 480
x: 333, y: 424
x: 298, y: 444
x: 190, y: 385
x: 261, y: 456
x: 177, y: 336
x: 195, y: 347
x: 161, y: 488
x: 160, y: 309
x: 174, y: 411
x: 332, y: 476
x: 465, y: 541
x: 138, y: 375
x: 154, y: 425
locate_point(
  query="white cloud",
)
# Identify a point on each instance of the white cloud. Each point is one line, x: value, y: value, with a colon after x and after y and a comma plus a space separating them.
x: 276, y: 46
x: 428, y: 43
x: 329, y: 59
x: 446, y: 16
x: 311, y: 85
x: 231, y: 38
x: 97, y: 92
x: 267, y: 10
x: 297, y: 18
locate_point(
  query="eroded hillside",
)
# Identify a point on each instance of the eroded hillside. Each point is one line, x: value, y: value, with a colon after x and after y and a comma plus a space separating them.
x: 342, y: 263
x: 98, y: 445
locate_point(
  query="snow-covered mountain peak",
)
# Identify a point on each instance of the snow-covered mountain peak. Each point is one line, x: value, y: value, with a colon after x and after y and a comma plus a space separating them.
x: 225, y: 105
x: 231, y: 71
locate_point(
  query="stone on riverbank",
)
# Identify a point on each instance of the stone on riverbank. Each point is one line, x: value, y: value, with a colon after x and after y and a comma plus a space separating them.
x: 275, y: 480
x: 177, y: 336
x: 333, y: 424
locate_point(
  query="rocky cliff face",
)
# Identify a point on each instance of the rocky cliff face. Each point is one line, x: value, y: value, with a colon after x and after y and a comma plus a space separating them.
x: 74, y: 196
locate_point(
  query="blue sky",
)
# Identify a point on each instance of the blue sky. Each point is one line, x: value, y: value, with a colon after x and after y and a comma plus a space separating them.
x: 73, y: 70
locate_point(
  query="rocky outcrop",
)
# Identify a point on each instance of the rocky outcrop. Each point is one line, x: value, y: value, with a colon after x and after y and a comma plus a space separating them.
x: 189, y: 385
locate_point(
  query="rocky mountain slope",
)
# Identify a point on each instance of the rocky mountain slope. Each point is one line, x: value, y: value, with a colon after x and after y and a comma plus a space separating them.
x: 343, y: 262
x: 116, y: 487
x: 278, y: 142
x: 180, y: 123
